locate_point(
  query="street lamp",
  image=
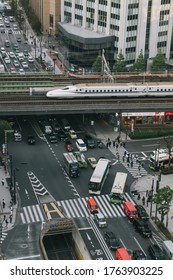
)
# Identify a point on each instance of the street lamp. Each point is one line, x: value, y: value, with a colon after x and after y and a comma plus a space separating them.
x: 6, y: 131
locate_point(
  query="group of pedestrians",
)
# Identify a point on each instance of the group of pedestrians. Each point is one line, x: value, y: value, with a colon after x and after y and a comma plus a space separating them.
x: 115, y: 143
x: 7, y: 218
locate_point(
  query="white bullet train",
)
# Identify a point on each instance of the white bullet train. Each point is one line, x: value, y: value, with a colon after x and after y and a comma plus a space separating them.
x: 112, y: 90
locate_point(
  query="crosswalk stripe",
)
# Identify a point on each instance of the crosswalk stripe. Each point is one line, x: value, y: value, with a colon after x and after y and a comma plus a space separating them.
x: 26, y: 214
x: 85, y: 211
x: 63, y: 204
x: 107, y: 202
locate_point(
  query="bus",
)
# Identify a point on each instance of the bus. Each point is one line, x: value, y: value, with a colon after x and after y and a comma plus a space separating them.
x: 71, y: 165
x: 99, y: 176
x: 160, y: 158
x: 117, y: 191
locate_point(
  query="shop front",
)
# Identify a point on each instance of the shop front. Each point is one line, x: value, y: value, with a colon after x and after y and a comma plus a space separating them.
x: 143, y: 118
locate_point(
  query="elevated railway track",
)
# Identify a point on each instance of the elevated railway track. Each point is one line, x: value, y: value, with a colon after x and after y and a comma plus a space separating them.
x: 73, y: 78
x: 42, y: 105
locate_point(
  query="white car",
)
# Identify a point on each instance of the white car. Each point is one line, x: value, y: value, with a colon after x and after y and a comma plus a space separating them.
x: 7, y: 60
x: 30, y: 59
x: 48, y: 129
x: 21, y: 71
x: 24, y: 64
x: 72, y: 134
x: 11, y: 54
x: 16, y: 63
x: 81, y: 145
x: 92, y: 162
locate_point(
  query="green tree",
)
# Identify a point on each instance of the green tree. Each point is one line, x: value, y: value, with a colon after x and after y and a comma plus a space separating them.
x: 140, y: 65
x: 158, y: 63
x: 4, y: 125
x: 97, y: 65
x: 120, y: 65
x: 163, y: 199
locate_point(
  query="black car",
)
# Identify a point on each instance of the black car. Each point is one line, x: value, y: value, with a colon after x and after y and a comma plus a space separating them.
x: 156, y: 252
x: 112, y: 241
x: 142, y: 227
x: 69, y: 146
x: 89, y: 141
x: 138, y: 255
x: 31, y: 139
x: 52, y: 139
x: 62, y: 136
x: 142, y: 212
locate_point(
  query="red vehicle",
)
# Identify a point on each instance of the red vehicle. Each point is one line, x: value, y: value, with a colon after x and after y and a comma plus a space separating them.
x: 122, y: 254
x: 92, y: 205
x: 130, y: 210
x: 69, y: 146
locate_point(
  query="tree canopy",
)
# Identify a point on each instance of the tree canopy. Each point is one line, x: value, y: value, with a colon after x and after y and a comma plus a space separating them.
x: 120, y: 65
x: 140, y: 64
x: 158, y: 64
x: 163, y: 199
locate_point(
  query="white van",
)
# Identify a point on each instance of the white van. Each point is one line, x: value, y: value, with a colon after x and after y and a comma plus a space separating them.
x: 100, y: 220
x: 168, y: 248
x: 48, y: 129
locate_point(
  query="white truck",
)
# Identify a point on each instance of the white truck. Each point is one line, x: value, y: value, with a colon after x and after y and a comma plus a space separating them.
x: 17, y: 136
x: 117, y: 191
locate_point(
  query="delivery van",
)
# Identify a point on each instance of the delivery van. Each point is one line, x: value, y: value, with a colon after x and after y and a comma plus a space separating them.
x: 130, y: 210
x: 122, y: 254
x: 92, y: 205
x: 168, y: 248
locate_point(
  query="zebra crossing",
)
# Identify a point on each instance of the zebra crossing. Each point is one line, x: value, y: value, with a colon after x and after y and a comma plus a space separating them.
x: 133, y: 170
x: 32, y: 214
x: 3, y: 236
x: 75, y: 208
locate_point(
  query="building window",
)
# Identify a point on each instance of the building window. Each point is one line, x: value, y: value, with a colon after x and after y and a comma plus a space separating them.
x: 131, y: 39
x: 163, y: 2
x: 103, y: 2
x: 133, y: 6
x: 161, y: 44
x: 131, y: 17
x: 163, y: 23
x: 132, y: 28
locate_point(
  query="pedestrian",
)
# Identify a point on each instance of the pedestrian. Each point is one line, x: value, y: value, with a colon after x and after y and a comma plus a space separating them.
x: 118, y: 139
x: 131, y: 163
x: 6, y: 221
x: 3, y: 203
x: 11, y: 203
x: 146, y: 193
x: 117, y: 146
x: 139, y: 167
x: 109, y: 143
x: 11, y: 217
x: 143, y: 200
x: 147, y: 202
x: 123, y: 158
x: 125, y: 153
x: 4, y: 218
x: 2, y: 181
x: 139, y: 196
x: 113, y: 143
x: 124, y: 144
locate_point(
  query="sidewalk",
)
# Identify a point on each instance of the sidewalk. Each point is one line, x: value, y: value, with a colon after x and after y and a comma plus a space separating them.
x: 8, y: 212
